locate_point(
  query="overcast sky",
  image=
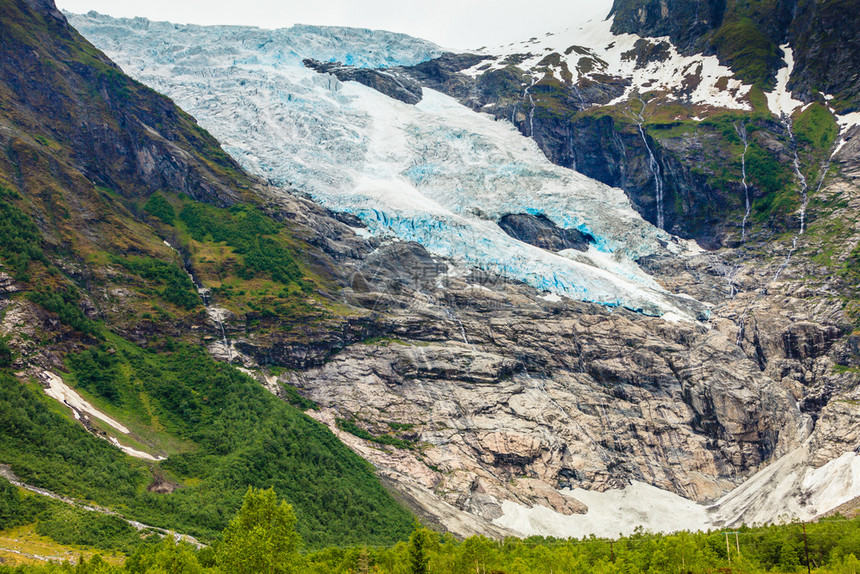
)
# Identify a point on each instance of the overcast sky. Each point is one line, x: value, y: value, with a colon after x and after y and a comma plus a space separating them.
x: 450, y: 23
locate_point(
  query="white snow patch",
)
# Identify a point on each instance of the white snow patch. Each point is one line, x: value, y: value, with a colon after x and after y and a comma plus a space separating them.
x: 58, y: 390
x: 609, y: 54
x: 611, y: 514
x: 847, y: 121
x: 789, y: 489
x: 779, y: 100
x: 134, y: 452
x: 673, y: 318
x: 610, y: 262
x: 551, y: 297
x: 61, y: 392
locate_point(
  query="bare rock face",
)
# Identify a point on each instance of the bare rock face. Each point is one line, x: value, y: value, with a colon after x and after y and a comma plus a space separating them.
x: 392, y: 82
x: 476, y: 391
x: 540, y: 231
x: 8, y: 284
x: 498, y: 395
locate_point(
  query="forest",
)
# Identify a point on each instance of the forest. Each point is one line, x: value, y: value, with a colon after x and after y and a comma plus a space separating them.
x: 263, y: 537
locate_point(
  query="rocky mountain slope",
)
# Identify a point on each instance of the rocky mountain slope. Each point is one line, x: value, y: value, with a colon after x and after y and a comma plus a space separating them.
x: 482, y: 392
x: 693, y: 142
x: 750, y: 37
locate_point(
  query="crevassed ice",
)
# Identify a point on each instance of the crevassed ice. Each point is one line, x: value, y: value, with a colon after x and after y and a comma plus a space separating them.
x: 436, y: 173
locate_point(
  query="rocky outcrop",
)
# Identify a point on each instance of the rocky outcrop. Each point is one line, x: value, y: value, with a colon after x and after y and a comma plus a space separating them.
x: 826, y: 46
x: 390, y: 82
x: 827, y: 52
x: 441, y: 73
x: 539, y: 231
x: 684, y: 21
x: 507, y: 387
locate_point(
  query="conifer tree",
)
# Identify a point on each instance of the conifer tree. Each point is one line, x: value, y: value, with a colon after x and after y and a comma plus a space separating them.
x: 418, y: 557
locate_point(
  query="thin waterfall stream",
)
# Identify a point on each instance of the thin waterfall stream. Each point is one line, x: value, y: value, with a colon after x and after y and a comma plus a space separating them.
x: 742, y: 133
x: 804, y: 195
x: 216, y: 314
x: 527, y: 94
x: 804, y: 204
x: 653, y: 164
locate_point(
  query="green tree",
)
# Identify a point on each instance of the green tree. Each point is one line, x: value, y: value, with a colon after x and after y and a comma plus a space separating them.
x: 158, y: 206
x: 262, y: 537
x: 5, y: 354
x: 165, y: 557
x: 96, y: 565
x: 418, y: 557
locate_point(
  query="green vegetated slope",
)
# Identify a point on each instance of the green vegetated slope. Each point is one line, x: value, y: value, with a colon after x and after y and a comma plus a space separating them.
x: 747, y: 40
x: 96, y: 172
x: 233, y: 433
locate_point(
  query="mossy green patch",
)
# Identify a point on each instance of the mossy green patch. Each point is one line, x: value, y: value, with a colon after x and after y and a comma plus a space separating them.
x: 816, y: 127
x: 174, y: 284
x: 249, y: 233
x: 750, y: 53
x: 349, y: 425
x: 159, y: 207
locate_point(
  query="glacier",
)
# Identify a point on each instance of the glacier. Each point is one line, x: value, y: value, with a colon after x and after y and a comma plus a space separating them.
x: 436, y: 173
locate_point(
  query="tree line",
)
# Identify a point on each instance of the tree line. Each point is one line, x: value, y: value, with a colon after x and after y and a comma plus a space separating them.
x: 262, y: 539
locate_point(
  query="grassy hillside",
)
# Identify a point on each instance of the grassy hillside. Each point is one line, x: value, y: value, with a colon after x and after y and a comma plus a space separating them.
x: 223, y: 432
x: 97, y: 174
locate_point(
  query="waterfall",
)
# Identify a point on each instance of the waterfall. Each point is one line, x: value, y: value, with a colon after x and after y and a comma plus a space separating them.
x: 454, y: 317
x: 804, y: 195
x: 570, y: 149
x: 804, y: 186
x: 216, y: 316
x: 578, y: 93
x: 804, y: 191
x: 743, y: 319
x: 742, y: 133
x: 204, y: 293
x: 653, y: 164
x: 527, y: 94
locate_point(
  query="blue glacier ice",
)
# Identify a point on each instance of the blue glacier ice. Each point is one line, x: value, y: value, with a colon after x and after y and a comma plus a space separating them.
x: 436, y: 173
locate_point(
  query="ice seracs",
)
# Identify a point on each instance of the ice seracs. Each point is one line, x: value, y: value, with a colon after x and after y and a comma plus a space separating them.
x: 436, y: 173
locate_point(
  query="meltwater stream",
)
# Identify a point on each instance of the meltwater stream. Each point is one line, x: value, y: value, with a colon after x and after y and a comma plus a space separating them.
x: 742, y: 133
x: 436, y: 173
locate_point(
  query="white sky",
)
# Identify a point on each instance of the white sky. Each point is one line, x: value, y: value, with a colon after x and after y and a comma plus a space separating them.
x: 450, y: 23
